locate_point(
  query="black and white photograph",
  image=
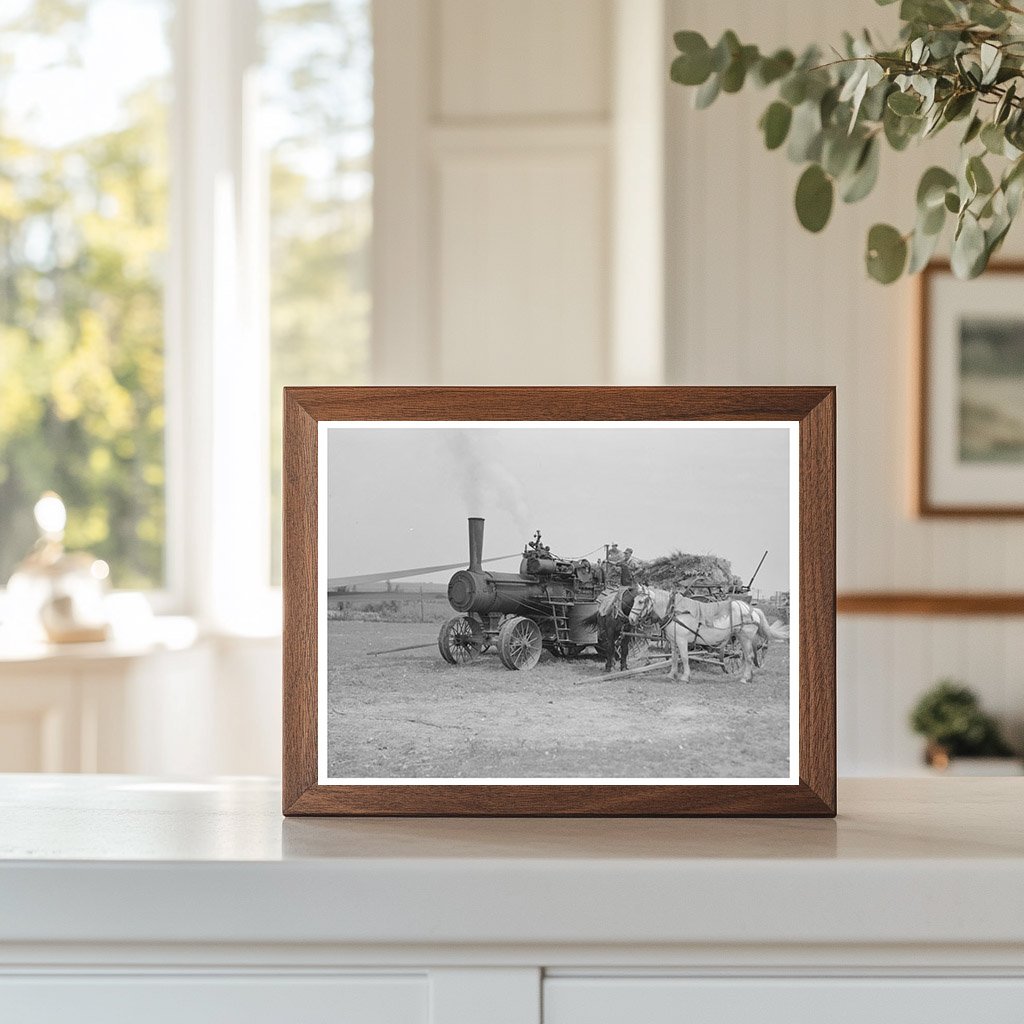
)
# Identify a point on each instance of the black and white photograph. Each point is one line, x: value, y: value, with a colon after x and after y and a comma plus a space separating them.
x: 567, y: 602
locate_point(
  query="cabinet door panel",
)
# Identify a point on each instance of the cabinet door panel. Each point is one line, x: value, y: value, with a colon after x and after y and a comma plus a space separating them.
x: 782, y: 1000
x: 202, y: 999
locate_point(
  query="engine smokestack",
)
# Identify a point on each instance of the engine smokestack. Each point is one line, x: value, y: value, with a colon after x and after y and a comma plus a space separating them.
x: 476, y: 544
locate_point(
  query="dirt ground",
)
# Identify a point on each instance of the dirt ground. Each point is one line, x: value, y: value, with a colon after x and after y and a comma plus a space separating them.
x: 413, y: 715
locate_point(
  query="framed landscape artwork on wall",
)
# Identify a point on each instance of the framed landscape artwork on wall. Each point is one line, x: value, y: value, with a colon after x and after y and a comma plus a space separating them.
x: 970, y: 452
x: 572, y: 601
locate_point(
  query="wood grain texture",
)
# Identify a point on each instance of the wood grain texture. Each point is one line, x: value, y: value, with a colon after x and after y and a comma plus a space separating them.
x: 924, y: 505
x: 812, y: 407
x: 926, y: 603
x: 299, y: 596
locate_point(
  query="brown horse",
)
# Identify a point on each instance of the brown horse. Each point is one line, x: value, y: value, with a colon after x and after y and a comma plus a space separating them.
x: 612, y: 619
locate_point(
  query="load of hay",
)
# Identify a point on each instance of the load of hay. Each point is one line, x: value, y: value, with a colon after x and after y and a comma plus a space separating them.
x: 679, y: 570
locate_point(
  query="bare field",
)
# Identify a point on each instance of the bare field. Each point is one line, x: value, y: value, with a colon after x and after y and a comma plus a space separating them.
x: 413, y: 715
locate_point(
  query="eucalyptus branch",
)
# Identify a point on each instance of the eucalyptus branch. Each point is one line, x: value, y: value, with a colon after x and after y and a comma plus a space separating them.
x: 954, y: 61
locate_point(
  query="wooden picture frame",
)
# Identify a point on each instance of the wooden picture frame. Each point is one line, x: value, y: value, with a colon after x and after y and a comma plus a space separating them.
x: 807, y: 412
x: 941, y: 489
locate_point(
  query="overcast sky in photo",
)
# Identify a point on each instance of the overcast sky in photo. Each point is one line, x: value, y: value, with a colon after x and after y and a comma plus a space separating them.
x: 399, y: 497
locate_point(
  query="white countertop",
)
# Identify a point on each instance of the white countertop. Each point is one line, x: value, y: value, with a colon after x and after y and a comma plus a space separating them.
x: 119, y: 859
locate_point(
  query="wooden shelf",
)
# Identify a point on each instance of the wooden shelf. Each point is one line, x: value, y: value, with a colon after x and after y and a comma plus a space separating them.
x: 929, y: 603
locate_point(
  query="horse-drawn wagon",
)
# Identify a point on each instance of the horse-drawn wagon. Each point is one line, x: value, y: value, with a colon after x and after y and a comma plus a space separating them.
x: 647, y: 639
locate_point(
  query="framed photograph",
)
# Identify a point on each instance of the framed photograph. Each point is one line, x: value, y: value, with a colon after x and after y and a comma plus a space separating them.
x: 970, y: 451
x: 559, y: 601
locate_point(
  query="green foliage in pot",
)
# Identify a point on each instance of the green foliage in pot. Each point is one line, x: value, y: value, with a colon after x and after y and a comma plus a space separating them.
x: 950, y: 717
x: 957, y: 62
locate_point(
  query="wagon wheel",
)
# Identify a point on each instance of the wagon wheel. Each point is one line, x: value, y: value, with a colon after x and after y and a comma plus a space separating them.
x: 732, y: 658
x: 461, y: 639
x: 760, y: 653
x: 519, y: 643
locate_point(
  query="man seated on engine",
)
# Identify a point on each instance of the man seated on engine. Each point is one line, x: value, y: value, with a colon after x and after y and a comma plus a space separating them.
x: 613, y: 566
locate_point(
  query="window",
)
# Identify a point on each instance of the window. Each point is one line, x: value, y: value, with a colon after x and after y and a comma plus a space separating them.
x: 83, y: 236
x: 317, y: 116
x: 239, y: 217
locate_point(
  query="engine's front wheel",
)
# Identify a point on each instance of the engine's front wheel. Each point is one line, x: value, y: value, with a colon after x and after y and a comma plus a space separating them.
x: 519, y: 643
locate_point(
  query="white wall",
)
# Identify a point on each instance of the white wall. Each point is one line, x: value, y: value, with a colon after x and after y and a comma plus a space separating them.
x: 754, y: 299
x: 502, y: 147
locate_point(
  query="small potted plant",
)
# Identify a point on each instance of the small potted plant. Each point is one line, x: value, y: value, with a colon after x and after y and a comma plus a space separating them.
x: 950, y: 717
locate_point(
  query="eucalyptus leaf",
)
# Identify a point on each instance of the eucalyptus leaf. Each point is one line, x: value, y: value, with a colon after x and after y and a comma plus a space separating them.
x: 873, y: 106
x: 932, y: 221
x: 933, y: 122
x: 968, y: 247
x: 840, y: 152
x: 805, y: 133
x: 827, y: 106
x: 987, y: 15
x: 1014, y: 192
x: 1005, y: 105
x: 865, y: 173
x: 775, y: 124
x: 978, y: 176
x: 688, y: 70
x: 900, y: 130
x: 707, y: 93
x: 886, y: 253
x: 814, y: 196
x: 794, y: 88
x: 1013, y: 187
x: 725, y: 49
x: 995, y: 233
x: 735, y: 74
x: 973, y: 130
x: 904, y: 103
x: 922, y: 248
x: 771, y: 69
x: 931, y: 190
x: 993, y: 138
x: 991, y: 60
x: 958, y: 105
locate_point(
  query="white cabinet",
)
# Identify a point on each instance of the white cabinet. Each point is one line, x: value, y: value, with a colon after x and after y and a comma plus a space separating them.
x: 130, y: 899
x: 203, y: 999
x: 828, y: 1000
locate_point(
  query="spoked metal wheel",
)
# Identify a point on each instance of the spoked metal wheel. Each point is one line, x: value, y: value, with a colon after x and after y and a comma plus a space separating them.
x: 519, y: 643
x: 732, y: 658
x: 461, y: 639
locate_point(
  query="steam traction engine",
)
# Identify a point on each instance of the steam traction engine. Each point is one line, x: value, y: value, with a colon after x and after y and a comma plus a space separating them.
x: 545, y: 605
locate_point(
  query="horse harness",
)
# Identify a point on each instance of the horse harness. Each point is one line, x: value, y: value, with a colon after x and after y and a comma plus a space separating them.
x: 671, y: 614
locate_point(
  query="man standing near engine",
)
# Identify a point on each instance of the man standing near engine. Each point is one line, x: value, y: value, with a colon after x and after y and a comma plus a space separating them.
x: 627, y: 575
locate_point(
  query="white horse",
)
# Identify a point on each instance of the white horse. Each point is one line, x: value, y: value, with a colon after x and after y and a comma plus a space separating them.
x: 685, y: 622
